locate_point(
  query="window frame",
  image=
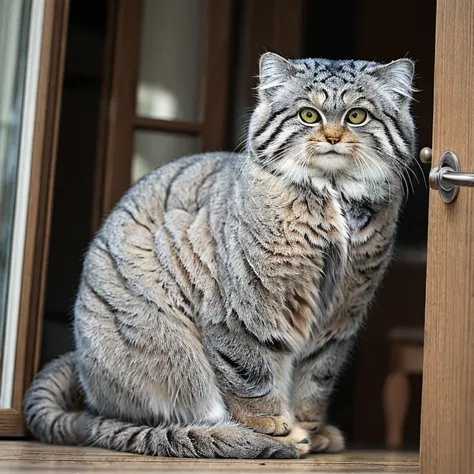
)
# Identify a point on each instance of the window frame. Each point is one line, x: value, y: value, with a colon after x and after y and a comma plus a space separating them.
x: 211, y: 128
x: 43, y: 160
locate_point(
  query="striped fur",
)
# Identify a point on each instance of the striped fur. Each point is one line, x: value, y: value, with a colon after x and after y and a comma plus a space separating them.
x: 222, y: 295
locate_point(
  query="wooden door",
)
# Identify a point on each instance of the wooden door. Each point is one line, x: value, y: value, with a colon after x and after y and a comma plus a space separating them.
x: 447, y: 425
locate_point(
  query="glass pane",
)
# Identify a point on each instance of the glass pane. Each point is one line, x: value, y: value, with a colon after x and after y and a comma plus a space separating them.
x: 14, y: 21
x: 152, y: 149
x: 171, y: 59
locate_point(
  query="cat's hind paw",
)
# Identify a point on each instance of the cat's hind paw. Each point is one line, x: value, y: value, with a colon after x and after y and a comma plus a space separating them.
x: 328, y: 439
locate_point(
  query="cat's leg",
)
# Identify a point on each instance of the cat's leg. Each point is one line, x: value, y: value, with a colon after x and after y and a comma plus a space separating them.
x: 159, y: 373
x: 164, y: 394
x: 315, y: 376
x: 254, y: 378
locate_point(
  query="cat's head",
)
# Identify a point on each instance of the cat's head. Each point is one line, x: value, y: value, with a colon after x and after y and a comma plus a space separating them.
x: 346, y: 120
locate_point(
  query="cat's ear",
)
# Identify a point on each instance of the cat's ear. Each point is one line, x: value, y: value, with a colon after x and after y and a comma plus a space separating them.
x: 398, y: 76
x: 274, y: 72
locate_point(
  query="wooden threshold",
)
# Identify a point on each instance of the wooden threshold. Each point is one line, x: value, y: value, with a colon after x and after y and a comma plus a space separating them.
x: 29, y: 456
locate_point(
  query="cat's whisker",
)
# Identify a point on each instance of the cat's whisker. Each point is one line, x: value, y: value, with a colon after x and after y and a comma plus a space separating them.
x: 375, y: 162
x: 373, y: 180
x: 363, y: 166
x: 402, y: 176
x: 400, y: 162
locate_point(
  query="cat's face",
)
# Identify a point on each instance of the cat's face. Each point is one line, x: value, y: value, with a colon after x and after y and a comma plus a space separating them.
x: 333, y: 119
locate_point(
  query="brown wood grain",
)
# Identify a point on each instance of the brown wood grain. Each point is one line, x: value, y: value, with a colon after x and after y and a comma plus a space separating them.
x: 39, y: 209
x: 26, y: 456
x: 216, y: 75
x: 122, y: 103
x: 447, y: 431
x: 106, y: 91
x: 11, y: 423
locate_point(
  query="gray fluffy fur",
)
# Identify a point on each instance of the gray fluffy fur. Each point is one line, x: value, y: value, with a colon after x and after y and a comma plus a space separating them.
x: 219, y: 300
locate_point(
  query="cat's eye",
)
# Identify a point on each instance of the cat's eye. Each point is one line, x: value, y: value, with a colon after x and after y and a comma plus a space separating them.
x: 309, y: 115
x: 356, y: 116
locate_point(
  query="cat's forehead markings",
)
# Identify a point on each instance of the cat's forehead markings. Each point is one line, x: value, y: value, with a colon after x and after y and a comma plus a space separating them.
x: 343, y: 96
x: 319, y: 97
x: 350, y: 96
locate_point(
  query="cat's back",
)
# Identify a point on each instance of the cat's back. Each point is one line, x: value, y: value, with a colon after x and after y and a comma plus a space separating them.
x: 185, y: 184
x: 182, y: 184
x: 139, y: 240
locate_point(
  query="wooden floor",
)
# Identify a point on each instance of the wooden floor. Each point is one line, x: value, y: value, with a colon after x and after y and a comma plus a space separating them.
x: 25, y: 456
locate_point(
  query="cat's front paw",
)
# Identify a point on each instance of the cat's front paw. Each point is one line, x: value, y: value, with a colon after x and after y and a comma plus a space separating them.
x: 327, y: 439
x: 262, y: 415
x: 299, y: 438
x: 270, y: 425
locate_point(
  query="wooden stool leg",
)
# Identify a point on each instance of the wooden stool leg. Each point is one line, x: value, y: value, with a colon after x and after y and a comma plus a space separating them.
x: 396, y: 395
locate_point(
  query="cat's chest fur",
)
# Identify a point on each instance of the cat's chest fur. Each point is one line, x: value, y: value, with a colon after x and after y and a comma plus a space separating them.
x: 329, y: 224
x: 328, y: 221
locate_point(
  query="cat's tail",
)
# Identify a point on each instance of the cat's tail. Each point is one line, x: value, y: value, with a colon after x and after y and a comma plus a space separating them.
x: 55, y: 393
x: 50, y: 404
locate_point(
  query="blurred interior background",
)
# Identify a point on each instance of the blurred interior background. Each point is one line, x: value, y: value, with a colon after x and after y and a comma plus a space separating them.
x: 152, y: 80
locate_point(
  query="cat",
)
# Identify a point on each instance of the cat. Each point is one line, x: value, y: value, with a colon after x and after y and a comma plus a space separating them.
x: 224, y: 292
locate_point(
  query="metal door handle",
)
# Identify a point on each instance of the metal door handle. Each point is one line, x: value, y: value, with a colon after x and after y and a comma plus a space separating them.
x: 447, y: 176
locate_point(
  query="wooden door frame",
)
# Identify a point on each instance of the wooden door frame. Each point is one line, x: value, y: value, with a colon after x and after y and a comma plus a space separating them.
x: 447, y: 422
x: 48, y: 104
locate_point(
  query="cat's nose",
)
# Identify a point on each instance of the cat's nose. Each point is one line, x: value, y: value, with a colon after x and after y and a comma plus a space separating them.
x: 333, y: 140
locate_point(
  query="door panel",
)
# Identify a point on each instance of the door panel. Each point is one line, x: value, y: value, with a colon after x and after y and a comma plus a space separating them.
x: 170, y: 64
x: 447, y: 431
x: 182, y: 90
